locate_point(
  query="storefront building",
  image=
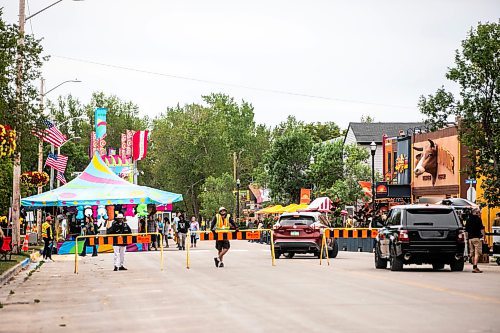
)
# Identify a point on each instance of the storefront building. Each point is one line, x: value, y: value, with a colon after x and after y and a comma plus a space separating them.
x: 438, y: 166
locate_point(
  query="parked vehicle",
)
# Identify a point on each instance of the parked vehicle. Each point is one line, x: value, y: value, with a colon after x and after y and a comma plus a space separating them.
x: 421, y: 234
x: 301, y: 233
x: 459, y: 204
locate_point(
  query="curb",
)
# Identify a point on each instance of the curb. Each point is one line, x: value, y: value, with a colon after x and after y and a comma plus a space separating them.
x: 14, y: 271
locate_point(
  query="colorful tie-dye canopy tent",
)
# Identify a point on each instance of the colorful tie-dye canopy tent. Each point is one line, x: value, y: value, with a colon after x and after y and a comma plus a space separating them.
x: 98, y: 185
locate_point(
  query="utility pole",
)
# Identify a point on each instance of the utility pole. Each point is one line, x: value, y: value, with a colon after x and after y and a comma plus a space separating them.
x: 16, y: 173
x: 40, y: 164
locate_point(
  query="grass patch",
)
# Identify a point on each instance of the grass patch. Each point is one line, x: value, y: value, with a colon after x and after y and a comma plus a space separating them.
x: 16, y: 258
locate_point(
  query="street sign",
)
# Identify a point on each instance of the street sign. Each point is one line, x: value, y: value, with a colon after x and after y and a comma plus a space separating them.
x: 470, y: 181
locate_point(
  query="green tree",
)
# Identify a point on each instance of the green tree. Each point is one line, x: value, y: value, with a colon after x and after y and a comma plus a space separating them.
x: 321, y: 132
x: 20, y: 63
x: 347, y: 190
x: 193, y: 142
x: 328, y: 166
x: 217, y: 192
x: 367, y: 119
x: 287, y: 163
x: 477, y: 108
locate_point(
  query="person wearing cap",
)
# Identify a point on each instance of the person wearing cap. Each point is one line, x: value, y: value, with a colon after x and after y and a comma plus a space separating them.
x: 222, y: 222
x: 47, y: 236
x: 119, y: 227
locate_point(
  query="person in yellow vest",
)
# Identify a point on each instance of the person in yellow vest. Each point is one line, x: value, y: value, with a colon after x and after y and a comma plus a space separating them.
x: 222, y: 222
x: 47, y: 236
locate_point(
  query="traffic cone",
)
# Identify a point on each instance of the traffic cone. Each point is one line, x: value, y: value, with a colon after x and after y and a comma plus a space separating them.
x: 25, y: 247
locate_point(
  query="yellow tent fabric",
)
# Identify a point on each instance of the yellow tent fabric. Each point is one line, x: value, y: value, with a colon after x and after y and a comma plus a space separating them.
x: 269, y: 210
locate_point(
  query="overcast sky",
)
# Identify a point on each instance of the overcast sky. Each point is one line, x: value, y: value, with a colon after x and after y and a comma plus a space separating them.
x: 356, y: 57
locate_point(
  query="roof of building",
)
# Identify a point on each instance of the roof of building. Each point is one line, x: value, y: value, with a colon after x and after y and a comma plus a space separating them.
x: 368, y: 132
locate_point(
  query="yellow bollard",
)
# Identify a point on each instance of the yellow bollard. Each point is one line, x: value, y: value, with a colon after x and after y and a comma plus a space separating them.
x: 322, y: 247
x: 76, y: 255
x: 188, y: 245
x: 161, y: 251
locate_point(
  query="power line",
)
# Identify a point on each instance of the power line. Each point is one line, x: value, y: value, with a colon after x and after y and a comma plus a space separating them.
x: 234, y: 85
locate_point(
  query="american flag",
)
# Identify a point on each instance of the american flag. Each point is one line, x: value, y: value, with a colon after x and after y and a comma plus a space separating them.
x: 51, y: 134
x: 57, y: 162
x: 61, y: 178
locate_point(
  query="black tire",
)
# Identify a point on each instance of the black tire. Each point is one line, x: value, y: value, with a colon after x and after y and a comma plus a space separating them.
x: 437, y: 266
x: 277, y: 254
x: 380, y: 263
x: 396, y: 263
x: 498, y: 261
x: 457, y: 265
x: 334, y: 251
x: 289, y: 255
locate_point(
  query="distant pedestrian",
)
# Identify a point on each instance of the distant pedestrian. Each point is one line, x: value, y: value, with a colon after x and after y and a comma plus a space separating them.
x: 167, y: 229
x: 47, y: 236
x: 203, y: 224
x: 474, y: 228
x: 194, y: 226
x: 152, y: 227
x: 119, y: 227
x: 182, y: 230
x: 161, y: 230
x: 222, y: 222
x: 89, y: 229
x: 175, y: 224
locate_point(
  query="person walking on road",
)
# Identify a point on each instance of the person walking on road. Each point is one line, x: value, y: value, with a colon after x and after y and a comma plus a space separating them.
x: 90, y: 229
x: 194, y: 226
x: 167, y: 230
x: 222, y: 222
x: 119, y: 227
x: 47, y: 236
x: 152, y: 227
x: 182, y: 230
x: 474, y: 228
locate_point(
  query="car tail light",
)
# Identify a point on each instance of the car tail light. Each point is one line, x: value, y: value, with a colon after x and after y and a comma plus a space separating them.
x: 403, y: 236
x: 461, y: 236
x: 309, y: 230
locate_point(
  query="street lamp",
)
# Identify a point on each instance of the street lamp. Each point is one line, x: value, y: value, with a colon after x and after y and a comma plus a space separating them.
x: 238, y: 184
x: 373, y: 149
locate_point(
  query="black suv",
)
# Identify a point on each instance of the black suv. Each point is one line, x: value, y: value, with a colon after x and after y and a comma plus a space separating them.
x: 421, y: 234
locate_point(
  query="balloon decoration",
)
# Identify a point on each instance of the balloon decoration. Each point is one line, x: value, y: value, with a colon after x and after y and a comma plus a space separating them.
x: 34, y: 178
x: 79, y: 215
x: 142, y: 210
x: 7, y: 141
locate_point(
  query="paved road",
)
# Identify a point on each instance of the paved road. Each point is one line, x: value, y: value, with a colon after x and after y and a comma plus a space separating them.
x: 249, y: 295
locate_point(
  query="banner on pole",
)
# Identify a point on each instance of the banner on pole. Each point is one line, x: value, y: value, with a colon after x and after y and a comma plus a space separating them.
x: 100, y: 123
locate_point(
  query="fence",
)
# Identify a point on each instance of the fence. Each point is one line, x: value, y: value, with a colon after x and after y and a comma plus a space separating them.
x: 349, y: 239
x: 250, y: 234
x: 119, y: 239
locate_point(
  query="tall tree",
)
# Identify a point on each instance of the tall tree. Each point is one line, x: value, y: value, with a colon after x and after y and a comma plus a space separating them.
x: 328, y: 166
x: 287, y: 162
x: 477, y: 108
x: 217, y: 192
x: 20, y: 63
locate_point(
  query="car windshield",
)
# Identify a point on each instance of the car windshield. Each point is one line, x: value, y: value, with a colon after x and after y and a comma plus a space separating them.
x: 296, y: 220
x: 431, y: 217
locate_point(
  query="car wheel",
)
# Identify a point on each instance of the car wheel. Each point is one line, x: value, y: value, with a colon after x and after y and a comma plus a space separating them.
x: 277, y: 254
x: 396, y: 263
x: 498, y: 261
x: 335, y: 250
x: 437, y: 266
x: 290, y: 255
x: 457, y: 265
x: 380, y: 263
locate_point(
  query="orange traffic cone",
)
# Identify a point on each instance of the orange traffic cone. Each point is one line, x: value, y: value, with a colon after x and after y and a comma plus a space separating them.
x: 25, y: 247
